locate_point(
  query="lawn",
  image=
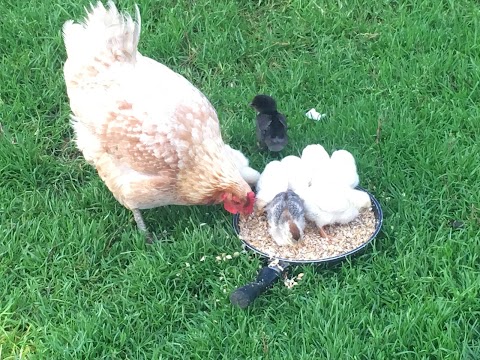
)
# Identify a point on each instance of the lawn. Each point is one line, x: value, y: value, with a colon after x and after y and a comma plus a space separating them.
x: 77, y: 280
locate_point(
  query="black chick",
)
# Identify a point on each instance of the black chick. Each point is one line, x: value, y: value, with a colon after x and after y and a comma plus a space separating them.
x: 271, y: 125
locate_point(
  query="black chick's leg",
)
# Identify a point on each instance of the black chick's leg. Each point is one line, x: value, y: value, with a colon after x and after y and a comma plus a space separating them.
x: 262, y: 146
x: 137, y: 215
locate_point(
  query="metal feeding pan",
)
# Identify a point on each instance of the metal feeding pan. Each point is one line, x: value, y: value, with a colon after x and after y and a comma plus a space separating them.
x: 245, y: 295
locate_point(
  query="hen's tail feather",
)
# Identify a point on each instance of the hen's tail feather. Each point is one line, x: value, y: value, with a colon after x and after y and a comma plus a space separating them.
x: 105, y: 35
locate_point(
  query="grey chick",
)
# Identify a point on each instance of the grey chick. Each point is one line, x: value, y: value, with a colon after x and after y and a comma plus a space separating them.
x: 271, y: 125
x: 286, y: 218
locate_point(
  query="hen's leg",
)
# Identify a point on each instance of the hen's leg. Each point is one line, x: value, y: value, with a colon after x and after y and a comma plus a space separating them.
x: 137, y: 215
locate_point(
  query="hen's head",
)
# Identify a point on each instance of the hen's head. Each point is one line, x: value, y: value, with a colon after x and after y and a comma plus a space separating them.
x: 239, y: 202
x: 210, y: 176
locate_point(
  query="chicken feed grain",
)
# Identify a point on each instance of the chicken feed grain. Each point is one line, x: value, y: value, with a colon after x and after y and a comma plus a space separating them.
x: 343, y: 238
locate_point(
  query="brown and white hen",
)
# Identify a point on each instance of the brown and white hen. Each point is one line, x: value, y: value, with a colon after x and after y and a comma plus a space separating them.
x: 153, y: 137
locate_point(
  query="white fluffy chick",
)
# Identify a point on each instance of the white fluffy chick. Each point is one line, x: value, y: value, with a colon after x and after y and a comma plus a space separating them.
x: 238, y: 157
x: 344, y: 168
x: 316, y: 161
x: 333, y: 204
x: 272, y: 181
x: 286, y: 218
x: 298, y: 175
x: 248, y: 174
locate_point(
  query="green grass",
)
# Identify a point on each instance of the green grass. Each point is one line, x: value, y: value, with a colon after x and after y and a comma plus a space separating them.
x: 77, y: 280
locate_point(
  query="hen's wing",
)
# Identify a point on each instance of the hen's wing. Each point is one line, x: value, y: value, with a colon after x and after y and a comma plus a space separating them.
x: 146, y: 116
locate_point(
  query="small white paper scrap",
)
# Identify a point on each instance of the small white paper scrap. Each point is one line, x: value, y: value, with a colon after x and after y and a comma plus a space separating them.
x: 314, y: 115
